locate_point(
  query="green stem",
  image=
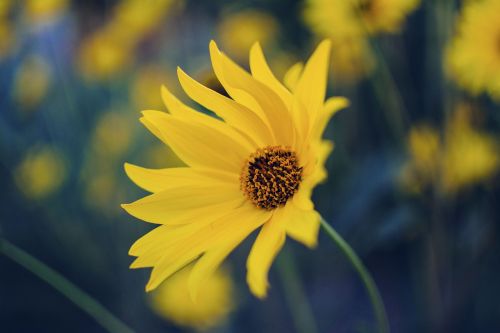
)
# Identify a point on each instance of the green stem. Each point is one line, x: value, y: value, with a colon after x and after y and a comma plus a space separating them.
x: 80, y: 298
x: 302, y: 315
x: 376, y: 300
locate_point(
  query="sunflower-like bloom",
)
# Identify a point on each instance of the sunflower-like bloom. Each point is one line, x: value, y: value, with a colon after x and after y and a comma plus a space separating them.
x: 254, y: 168
x: 473, y: 55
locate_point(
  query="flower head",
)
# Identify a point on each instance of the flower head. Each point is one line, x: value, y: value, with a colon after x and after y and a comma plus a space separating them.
x: 473, y: 55
x: 254, y: 168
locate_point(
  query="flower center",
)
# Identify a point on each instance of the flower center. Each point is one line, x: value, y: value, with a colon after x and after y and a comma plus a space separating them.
x: 271, y: 176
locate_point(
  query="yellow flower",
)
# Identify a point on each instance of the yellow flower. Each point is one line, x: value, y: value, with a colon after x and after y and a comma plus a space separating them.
x: 103, y: 55
x: 110, y: 50
x: 473, y: 55
x: 43, y: 10
x: 470, y: 156
x: 41, y: 173
x: 354, y: 18
x: 256, y: 169
x: 214, y: 302
x: 113, y: 134
x: 239, y: 31
x: 352, y: 59
x: 32, y: 82
x: 144, y: 88
x: 465, y: 156
x: 7, y: 38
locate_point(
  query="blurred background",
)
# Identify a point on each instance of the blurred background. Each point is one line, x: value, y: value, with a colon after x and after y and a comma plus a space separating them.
x: 413, y: 182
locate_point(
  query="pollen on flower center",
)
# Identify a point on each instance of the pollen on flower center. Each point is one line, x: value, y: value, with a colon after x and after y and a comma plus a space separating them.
x: 271, y: 176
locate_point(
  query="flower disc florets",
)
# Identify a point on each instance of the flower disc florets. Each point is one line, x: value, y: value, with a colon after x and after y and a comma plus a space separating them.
x: 271, y: 176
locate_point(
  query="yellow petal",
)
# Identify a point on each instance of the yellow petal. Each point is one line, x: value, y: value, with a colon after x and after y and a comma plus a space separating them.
x: 302, y: 225
x: 156, y: 180
x: 292, y: 76
x: 236, y: 115
x: 237, y: 224
x: 311, y: 87
x: 198, y: 145
x: 330, y: 108
x: 255, y: 95
x: 267, y: 245
x: 261, y: 71
x: 208, y: 264
x: 182, y: 204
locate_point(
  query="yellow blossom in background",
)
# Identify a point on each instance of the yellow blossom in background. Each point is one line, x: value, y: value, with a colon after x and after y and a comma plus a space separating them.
x: 172, y: 300
x: 424, y: 145
x: 5, y: 6
x: 102, y: 56
x: 355, y: 18
x: 470, y: 156
x: 349, y: 24
x: 41, y: 173
x: 113, y: 134
x: 136, y: 18
x: 254, y: 167
x: 7, y: 38
x: 352, y: 60
x: 110, y: 50
x: 144, y: 90
x: 238, y: 31
x: 32, y: 82
x: 43, y: 10
x: 464, y: 156
x: 473, y: 54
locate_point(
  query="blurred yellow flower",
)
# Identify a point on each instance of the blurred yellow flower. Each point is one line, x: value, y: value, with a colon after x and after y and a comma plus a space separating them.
x: 32, y: 82
x: 348, y: 23
x: 113, y: 134
x: 43, y: 10
x: 352, y: 59
x: 473, y: 54
x: 136, y: 18
x: 5, y: 7
x: 357, y: 18
x: 41, y: 173
x: 7, y: 38
x: 257, y: 165
x: 463, y: 157
x: 110, y: 50
x: 470, y: 156
x: 102, y: 55
x: 238, y: 31
x: 145, y: 87
x: 211, y: 307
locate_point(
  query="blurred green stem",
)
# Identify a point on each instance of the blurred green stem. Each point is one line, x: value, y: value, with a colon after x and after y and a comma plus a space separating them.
x: 80, y: 298
x: 302, y: 315
x: 375, y: 298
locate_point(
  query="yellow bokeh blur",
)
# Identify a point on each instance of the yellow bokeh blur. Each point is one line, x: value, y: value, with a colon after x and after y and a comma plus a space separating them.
x: 215, y: 300
x: 472, y: 57
x: 238, y: 31
x: 32, y: 82
x: 41, y: 172
x: 462, y: 157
